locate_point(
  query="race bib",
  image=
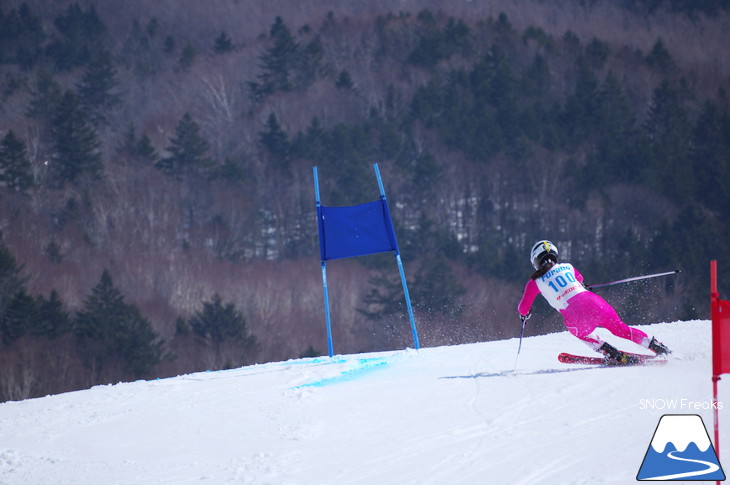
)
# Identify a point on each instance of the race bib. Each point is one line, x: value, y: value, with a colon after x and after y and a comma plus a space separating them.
x: 559, y: 285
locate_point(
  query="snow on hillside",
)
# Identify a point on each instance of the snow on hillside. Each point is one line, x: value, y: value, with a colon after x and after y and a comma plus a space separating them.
x: 449, y: 415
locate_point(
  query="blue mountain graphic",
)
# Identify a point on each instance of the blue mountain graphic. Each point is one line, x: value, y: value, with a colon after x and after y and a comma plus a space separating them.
x: 670, y: 462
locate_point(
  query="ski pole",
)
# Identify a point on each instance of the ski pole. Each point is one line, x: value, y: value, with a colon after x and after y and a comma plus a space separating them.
x: 635, y: 278
x: 522, y: 333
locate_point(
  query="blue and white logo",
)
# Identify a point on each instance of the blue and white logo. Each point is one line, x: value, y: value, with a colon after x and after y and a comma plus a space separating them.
x: 681, y: 450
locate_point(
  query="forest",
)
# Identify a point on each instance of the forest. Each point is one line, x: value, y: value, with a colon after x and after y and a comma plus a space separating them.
x: 157, y: 211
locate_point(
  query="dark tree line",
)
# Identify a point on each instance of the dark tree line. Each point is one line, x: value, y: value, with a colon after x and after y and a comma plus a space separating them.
x: 108, y: 338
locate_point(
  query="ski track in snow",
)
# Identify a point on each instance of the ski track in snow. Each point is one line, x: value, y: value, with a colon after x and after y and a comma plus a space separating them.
x: 449, y: 415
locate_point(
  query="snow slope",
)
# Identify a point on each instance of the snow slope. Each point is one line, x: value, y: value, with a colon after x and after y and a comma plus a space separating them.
x: 449, y: 415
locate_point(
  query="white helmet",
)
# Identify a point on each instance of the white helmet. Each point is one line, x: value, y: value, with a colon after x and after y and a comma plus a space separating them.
x: 540, y: 251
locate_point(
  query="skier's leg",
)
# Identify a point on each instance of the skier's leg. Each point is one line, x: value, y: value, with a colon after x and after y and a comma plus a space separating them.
x: 587, y: 334
x: 607, y: 318
x: 580, y: 321
x: 589, y: 338
x: 610, y: 320
x: 587, y: 311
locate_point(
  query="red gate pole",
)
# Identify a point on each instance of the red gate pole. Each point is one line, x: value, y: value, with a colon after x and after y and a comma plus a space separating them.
x: 714, y: 297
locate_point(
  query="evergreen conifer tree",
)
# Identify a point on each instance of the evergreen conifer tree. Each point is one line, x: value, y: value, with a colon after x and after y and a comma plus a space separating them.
x: 187, y: 57
x: 129, y: 140
x: 82, y: 34
x: 18, y: 318
x: 144, y: 150
x: 222, y: 44
x: 52, y: 320
x: 113, y: 332
x: 316, y: 141
x: 536, y: 80
x: 669, y: 131
x: 660, y: 58
x: 21, y: 37
x: 279, y: 61
x: 11, y: 281
x: 218, y: 322
x: 344, y: 80
x: 46, y: 95
x: 385, y: 298
x: 503, y: 95
x: 436, y: 291
x: 710, y: 155
x: 169, y: 45
x: 579, y: 114
x: 75, y: 142
x: 188, y: 150
x: 311, y: 65
x: 96, y: 89
x: 140, y: 149
x: 15, y: 169
x: 225, y: 328
x: 618, y: 147
x: 596, y: 53
x: 13, y: 296
x: 275, y: 139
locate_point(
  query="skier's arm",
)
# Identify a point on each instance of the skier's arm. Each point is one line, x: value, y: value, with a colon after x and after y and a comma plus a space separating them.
x: 578, y: 276
x: 528, y: 297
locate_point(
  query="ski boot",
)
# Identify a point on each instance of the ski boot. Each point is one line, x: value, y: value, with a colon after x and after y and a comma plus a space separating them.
x: 658, y: 347
x: 613, y: 356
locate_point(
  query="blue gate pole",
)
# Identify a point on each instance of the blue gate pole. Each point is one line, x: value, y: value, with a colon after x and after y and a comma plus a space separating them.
x: 416, y: 344
x: 330, y: 348
x: 325, y: 292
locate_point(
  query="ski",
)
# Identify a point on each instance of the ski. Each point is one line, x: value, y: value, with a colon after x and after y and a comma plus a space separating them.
x: 567, y: 358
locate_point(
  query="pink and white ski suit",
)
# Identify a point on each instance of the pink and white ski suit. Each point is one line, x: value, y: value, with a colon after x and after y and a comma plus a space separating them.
x: 582, y: 310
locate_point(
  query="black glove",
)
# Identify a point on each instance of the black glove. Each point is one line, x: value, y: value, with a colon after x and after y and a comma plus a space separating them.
x: 526, y: 317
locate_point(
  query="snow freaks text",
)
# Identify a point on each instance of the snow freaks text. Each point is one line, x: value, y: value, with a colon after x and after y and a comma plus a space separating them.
x: 678, y: 405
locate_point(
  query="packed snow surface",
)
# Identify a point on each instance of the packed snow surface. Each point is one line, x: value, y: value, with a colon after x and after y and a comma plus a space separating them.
x: 466, y: 414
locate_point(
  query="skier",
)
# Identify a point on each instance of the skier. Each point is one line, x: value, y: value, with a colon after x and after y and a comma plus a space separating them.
x: 562, y: 286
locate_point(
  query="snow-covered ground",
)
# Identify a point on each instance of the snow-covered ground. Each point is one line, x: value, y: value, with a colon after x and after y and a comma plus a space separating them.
x: 449, y: 415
